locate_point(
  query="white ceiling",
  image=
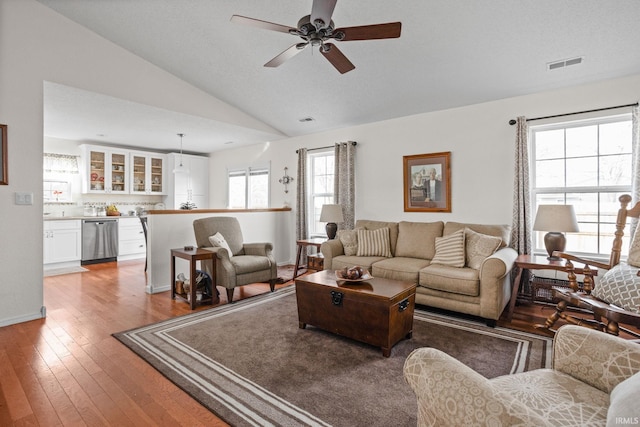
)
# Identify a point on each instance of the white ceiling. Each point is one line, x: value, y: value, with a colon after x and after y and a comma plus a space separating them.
x: 451, y: 53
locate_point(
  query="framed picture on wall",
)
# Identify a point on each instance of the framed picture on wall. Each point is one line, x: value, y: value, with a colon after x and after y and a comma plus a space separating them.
x: 427, y: 182
x: 4, y: 176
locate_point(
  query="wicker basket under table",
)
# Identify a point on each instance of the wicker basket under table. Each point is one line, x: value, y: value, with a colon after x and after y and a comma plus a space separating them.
x: 541, y: 287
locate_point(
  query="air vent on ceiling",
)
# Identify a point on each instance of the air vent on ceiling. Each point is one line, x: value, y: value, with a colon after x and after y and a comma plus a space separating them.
x: 564, y: 63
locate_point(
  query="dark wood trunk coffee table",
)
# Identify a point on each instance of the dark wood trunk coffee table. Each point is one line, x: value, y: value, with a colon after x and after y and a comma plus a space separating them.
x: 377, y: 311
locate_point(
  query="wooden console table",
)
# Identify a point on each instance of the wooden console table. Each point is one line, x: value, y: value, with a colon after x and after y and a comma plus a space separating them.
x: 194, y: 255
x: 316, y: 242
x: 534, y: 262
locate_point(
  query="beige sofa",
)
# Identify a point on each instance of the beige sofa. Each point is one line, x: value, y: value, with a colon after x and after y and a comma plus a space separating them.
x: 483, y: 291
x: 594, y: 382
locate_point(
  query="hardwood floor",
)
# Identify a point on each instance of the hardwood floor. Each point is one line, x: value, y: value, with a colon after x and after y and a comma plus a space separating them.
x: 67, y: 369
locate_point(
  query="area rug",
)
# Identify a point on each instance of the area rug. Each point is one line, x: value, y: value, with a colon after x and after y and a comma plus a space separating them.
x: 251, y: 364
x: 285, y: 273
x: 65, y: 270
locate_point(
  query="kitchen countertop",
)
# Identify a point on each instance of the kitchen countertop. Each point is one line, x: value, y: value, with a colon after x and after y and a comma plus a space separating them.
x: 60, y: 218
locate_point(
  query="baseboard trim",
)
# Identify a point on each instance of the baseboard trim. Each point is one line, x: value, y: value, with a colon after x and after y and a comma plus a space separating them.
x: 24, y: 318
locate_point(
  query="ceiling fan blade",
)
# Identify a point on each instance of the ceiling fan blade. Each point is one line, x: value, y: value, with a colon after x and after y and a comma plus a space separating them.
x: 261, y: 24
x: 336, y: 57
x: 322, y: 10
x: 287, y: 54
x: 389, y: 30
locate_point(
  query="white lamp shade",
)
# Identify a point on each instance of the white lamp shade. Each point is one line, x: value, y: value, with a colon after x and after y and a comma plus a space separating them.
x: 556, y: 218
x: 331, y: 213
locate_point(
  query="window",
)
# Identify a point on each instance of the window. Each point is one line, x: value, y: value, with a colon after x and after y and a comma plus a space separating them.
x: 56, y: 191
x: 586, y: 164
x: 320, y: 182
x: 249, y: 188
x: 59, y: 170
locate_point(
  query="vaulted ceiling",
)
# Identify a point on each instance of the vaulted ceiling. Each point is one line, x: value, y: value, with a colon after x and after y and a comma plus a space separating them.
x: 451, y: 53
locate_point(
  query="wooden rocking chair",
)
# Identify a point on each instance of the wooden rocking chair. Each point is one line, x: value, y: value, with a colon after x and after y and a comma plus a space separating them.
x: 582, y: 298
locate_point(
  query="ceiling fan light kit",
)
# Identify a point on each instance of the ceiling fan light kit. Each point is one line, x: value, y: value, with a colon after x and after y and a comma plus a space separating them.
x: 318, y: 30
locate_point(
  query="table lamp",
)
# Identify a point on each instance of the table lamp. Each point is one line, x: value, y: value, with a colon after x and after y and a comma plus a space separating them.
x: 555, y: 219
x: 331, y: 214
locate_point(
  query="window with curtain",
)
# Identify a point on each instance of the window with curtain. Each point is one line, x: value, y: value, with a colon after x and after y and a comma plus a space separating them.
x: 248, y: 188
x: 321, y: 187
x: 58, y: 171
x: 587, y: 164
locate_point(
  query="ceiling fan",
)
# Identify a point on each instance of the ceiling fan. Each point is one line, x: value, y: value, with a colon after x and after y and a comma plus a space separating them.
x: 318, y: 29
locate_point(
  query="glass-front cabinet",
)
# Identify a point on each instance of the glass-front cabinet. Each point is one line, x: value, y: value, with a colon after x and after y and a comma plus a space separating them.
x: 107, y: 170
x: 148, y: 173
x: 121, y: 171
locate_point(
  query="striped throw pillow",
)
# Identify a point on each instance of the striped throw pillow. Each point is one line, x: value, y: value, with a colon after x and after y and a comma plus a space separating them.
x: 450, y: 250
x: 374, y: 242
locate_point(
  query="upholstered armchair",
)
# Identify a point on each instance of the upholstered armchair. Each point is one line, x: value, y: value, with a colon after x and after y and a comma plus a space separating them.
x: 237, y: 263
x: 595, y: 381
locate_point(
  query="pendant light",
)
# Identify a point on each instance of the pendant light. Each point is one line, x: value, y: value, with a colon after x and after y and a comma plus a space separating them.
x: 180, y: 168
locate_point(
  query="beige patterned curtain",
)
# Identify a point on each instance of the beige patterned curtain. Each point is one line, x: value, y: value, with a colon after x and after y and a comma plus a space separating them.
x: 301, y: 196
x: 344, y: 182
x: 521, y: 225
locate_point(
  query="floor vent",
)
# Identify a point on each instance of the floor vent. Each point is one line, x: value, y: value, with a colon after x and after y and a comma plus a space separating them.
x: 564, y: 63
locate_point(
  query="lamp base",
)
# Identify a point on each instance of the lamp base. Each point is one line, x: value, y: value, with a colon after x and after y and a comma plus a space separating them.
x: 554, y: 241
x: 332, y: 229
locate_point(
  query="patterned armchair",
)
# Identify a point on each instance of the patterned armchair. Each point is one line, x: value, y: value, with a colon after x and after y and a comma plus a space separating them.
x: 595, y: 381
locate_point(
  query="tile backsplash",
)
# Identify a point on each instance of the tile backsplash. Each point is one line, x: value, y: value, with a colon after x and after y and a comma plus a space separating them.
x: 124, y: 203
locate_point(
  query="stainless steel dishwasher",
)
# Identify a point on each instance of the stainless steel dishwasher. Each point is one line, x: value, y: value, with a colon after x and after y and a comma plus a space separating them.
x: 99, y: 240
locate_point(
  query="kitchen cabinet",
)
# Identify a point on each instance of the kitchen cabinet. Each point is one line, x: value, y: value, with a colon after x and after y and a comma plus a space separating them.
x: 148, y: 174
x: 131, y: 242
x: 62, y: 241
x: 106, y: 170
x: 191, y: 186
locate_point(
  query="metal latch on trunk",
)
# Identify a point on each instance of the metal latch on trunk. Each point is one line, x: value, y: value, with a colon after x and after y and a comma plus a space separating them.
x: 336, y: 297
x: 403, y: 305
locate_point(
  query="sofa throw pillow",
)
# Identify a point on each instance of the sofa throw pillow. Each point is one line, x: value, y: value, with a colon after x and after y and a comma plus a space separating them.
x: 349, y: 240
x: 219, y: 241
x: 634, y: 249
x: 620, y: 286
x: 479, y: 246
x: 374, y: 242
x: 450, y: 250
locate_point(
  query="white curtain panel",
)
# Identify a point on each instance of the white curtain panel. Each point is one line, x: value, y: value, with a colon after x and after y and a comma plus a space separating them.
x: 345, y: 182
x: 521, y: 225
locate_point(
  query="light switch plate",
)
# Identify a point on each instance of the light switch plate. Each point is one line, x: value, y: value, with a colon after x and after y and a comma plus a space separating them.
x: 24, y: 198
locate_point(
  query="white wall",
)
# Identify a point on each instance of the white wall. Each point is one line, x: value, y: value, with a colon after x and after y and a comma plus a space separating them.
x: 37, y: 45
x: 479, y: 137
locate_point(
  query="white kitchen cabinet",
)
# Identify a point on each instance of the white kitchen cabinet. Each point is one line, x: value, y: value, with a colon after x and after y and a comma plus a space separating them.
x: 62, y: 241
x: 131, y: 241
x: 106, y: 170
x: 192, y: 186
x: 148, y: 173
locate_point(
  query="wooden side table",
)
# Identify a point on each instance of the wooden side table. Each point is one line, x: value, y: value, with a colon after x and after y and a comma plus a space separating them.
x: 534, y: 262
x: 194, y: 255
x: 317, y: 242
